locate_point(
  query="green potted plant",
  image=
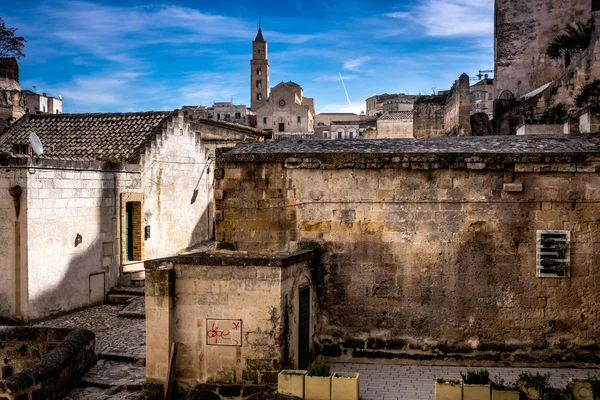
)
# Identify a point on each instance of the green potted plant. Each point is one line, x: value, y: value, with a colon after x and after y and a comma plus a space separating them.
x: 345, y: 386
x: 448, y: 389
x: 291, y: 382
x: 502, y: 391
x: 317, y: 383
x: 533, y: 386
x: 477, y: 385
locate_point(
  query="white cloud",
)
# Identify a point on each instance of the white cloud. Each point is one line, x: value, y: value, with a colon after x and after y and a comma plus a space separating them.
x: 446, y: 18
x: 354, y: 64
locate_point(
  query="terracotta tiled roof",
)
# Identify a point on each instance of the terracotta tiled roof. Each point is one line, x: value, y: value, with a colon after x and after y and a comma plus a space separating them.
x: 110, y: 136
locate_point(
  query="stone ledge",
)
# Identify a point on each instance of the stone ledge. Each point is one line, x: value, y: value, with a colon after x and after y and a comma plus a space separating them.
x: 233, y: 259
x: 58, y: 371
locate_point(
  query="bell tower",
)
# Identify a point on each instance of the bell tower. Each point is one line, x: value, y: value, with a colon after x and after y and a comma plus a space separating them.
x: 259, y: 72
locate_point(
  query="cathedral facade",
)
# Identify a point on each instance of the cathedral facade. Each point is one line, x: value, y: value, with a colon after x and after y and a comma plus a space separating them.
x: 282, y: 108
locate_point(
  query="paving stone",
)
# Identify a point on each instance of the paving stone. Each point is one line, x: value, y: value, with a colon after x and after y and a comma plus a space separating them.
x: 114, y: 335
x: 94, y: 393
x: 136, y: 308
x: 108, y: 373
x: 379, y: 382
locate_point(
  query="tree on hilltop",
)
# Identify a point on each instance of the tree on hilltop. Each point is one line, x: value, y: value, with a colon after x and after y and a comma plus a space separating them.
x: 575, y: 39
x: 10, y: 45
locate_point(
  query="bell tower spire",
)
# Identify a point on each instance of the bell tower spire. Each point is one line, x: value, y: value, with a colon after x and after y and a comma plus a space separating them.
x: 259, y: 71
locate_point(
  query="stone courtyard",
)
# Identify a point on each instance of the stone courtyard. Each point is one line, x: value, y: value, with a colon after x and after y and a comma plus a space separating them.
x: 120, y: 371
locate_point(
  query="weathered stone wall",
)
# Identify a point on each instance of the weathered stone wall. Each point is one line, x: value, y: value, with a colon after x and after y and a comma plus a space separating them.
x: 561, y: 92
x: 433, y: 251
x: 428, y: 120
x: 46, y: 362
x: 394, y: 128
x: 458, y: 108
x: 523, y: 31
x: 260, y: 292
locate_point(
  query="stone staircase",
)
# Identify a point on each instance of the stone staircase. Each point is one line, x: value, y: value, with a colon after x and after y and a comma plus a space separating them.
x: 120, y: 370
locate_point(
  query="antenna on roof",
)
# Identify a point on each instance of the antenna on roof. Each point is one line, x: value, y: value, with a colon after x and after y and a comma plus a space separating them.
x: 36, y: 144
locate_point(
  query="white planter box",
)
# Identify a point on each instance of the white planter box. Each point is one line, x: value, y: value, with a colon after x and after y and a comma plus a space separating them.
x: 477, y: 392
x: 505, y: 395
x: 317, y: 387
x: 450, y: 389
x: 291, y: 382
x: 345, y: 386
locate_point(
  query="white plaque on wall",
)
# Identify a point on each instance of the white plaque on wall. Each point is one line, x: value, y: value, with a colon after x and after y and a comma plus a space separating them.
x: 224, y: 332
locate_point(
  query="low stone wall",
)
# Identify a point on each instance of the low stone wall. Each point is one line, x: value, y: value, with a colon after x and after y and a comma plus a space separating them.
x: 46, y: 362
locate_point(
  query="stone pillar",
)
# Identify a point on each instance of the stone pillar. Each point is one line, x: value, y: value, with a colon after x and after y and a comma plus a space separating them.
x: 160, y: 290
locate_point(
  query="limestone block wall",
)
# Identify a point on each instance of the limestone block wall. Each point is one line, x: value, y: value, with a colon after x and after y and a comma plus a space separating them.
x: 233, y: 315
x: 428, y: 251
x: 394, y: 128
x: 428, y: 120
x: 458, y: 108
x: 176, y: 181
x: 72, y: 231
x: 523, y: 31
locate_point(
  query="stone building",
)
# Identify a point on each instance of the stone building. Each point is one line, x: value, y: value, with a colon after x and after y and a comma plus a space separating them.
x: 352, y: 129
x: 12, y: 102
x: 446, y: 114
x: 287, y: 110
x: 462, y: 248
x: 227, y: 111
x: 109, y: 191
x: 523, y: 31
x: 382, y: 103
x: 324, y: 119
x: 482, y: 97
x: 282, y: 108
x: 42, y: 103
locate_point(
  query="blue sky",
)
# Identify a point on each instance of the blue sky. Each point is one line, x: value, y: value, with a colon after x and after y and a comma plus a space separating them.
x: 133, y: 55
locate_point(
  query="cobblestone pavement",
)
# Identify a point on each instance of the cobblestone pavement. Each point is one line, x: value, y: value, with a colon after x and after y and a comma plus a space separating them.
x: 116, y: 373
x: 402, y: 382
x: 114, y: 335
x: 120, y: 345
x: 94, y: 393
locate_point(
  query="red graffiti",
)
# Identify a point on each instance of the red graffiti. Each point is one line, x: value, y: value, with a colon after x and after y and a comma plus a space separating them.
x: 223, y: 334
x: 236, y: 326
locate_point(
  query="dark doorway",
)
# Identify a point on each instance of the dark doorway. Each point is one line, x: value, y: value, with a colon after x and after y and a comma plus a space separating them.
x: 129, y: 231
x: 281, y: 127
x: 304, y: 329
